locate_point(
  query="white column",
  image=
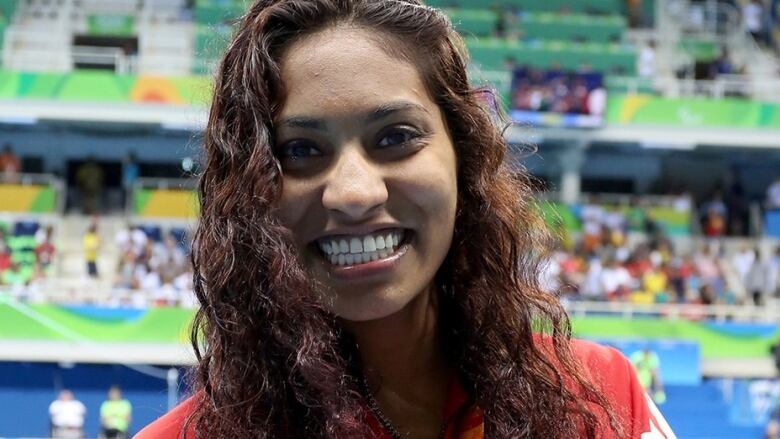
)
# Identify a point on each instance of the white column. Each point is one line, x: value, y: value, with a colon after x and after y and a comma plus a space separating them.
x: 570, y: 163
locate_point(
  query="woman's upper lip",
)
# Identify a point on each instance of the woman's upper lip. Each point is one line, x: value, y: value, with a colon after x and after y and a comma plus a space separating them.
x: 362, y: 229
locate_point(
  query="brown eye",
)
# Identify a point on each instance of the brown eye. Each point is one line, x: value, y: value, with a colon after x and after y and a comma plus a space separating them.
x: 297, y: 150
x: 398, y: 136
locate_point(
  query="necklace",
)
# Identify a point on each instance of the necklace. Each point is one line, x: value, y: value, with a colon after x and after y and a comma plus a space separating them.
x: 373, y: 405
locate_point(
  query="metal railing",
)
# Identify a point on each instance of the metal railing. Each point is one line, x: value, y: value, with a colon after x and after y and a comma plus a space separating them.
x: 719, y: 313
x: 105, y: 56
x: 97, y: 294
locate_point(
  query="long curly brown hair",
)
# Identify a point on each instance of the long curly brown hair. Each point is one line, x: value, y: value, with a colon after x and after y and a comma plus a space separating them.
x: 273, y: 362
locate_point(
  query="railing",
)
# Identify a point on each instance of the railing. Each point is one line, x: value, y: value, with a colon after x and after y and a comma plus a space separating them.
x: 720, y: 313
x: 105, y: 56
x: 39, y: 179
x: 74, y: 292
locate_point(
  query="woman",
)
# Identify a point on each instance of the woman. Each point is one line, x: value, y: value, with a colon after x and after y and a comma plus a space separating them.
x: 365, y: 263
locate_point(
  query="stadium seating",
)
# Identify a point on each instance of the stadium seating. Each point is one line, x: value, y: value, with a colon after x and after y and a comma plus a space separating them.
x: 492, y: 53
x: 604, y: 7
x: 542, y: 34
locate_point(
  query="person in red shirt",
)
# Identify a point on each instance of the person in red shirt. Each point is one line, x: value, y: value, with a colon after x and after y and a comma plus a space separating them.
x: 365, y: 262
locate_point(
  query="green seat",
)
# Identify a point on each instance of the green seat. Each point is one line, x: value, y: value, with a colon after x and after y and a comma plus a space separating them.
x: 473, y: 22
x: 210, y: 43
x: 700, y: 49
x: 7, y: 9
x: 491, y: 54
x: 207, y: 12
x: 623, y: 85
x: 601, y: 7
x: 23, y: 257
x: 574, y: 27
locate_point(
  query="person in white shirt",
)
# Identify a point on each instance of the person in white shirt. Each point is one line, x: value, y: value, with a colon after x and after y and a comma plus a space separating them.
x: 753, y: 19
x: 66, y: 415
x: 646, y: 60
x: 742, y: 261
x: 615, y: 280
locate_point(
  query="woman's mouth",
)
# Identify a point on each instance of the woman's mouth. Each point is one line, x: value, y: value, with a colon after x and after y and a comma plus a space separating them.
x: 355, y: 250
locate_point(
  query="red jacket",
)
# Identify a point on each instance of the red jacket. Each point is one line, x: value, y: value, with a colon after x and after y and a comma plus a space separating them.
x: 609, y: 369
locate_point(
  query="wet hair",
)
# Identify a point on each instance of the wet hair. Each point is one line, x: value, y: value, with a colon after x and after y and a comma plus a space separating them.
x: 272, y: 361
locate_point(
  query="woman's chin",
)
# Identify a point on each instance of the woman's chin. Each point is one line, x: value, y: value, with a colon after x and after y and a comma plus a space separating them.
x: 368, y: 309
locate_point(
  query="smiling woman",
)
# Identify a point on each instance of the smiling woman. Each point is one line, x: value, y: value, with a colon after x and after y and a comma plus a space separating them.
x: 366, y: 264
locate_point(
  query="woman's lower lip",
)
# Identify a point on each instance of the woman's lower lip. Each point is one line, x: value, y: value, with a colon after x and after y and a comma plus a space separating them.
x: 368, y: 269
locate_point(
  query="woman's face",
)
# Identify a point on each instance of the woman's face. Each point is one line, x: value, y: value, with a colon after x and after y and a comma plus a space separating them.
x: 369, y: 172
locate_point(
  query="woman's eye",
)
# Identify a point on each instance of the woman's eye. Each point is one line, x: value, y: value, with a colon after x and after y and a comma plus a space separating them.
x: 397, y: 137
x: 297, y: 149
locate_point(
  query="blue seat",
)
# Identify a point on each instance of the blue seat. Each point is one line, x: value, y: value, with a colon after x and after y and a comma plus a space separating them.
x: 26, y: 227
x: 152, y: 232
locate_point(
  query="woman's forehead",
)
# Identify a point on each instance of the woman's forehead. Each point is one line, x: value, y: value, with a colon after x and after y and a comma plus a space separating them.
x: 340, y: 71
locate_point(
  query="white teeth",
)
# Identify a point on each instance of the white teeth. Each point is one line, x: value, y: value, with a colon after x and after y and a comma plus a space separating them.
x: 355, y: 245
x: 360, y: 250
x: 369, y: 244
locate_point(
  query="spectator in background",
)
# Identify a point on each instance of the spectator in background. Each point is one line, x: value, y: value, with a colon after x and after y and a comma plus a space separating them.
x: 615, y: 280
x: 66, y: 415
x: 758, y: 278
x: 753, y: 20
x: 648, y: 369
x: 722, y: 64
x: 772, y: 430
x: 738, y: 206
x: 44, y: 251
x: 646, y: 60
x: 131, y: 239
x: 115, y: 415
x: 130, y: 173
x: 91, y: 243
x: 714, y: 216
x: 634, y: 10
x: 773, y: 195
x: 89, y: 178
x: 742, y: 261
x: 10, y: 165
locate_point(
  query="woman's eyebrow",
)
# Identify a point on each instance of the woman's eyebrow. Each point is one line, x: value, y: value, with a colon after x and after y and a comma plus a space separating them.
x: 390, y: 108
x: 303, y: 122
x: 378, y: 113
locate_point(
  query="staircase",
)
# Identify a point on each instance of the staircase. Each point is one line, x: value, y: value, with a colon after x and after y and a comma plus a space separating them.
x: 40, y: 36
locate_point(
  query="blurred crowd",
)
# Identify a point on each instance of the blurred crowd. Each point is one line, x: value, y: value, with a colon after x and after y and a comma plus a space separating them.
x: 25, y: 259
x: 605, y: 265
x: 158, y: 266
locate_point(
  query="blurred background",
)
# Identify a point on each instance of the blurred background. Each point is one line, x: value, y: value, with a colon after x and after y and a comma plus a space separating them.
x: 657, y: 125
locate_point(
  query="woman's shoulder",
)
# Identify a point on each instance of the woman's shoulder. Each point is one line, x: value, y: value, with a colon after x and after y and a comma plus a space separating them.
x: 170, y: 425
x: 614, y: 374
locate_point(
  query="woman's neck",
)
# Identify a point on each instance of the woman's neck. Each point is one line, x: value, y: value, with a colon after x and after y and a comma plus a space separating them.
x: 405, y: 366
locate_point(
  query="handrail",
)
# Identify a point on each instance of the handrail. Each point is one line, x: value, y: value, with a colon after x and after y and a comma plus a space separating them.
x: 670, y: 311
x: 117, y: 297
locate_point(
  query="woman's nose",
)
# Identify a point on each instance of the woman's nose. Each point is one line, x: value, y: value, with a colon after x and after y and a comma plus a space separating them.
x: 355, y: 189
